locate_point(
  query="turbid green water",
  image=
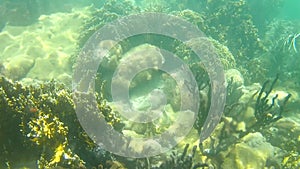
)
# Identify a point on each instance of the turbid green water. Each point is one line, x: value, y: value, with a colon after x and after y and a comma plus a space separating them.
x: 218, y: 89
x: 291, y: 10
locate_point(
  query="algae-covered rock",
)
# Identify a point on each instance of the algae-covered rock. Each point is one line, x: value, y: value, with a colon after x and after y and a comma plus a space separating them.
x: 133, y: 63
x: 110, y: 11
x: 225, y: 55
x: 247, y: 117
x: 49, y: 68
x: 249, y: 92
x: 235, y: 76
x: 252, y: 152
x: 41, y: 50
x: 284, y: 133
x: 18, y: 67
x: 203, y: 44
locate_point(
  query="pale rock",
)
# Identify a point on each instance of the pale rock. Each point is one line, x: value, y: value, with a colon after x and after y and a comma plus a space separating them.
x: 252, y: 152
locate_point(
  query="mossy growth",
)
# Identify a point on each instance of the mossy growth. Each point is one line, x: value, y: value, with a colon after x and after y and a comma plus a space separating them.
x: 42, y: 121
x: 110, y: 11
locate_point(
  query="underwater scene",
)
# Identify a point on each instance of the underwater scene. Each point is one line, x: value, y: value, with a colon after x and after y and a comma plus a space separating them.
x: 150, y: 84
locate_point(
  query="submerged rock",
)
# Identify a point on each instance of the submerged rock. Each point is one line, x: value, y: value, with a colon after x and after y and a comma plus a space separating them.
x: 252, y: 152
x: 18, y: 67
x: 48, y: 42
x: 235, y: 76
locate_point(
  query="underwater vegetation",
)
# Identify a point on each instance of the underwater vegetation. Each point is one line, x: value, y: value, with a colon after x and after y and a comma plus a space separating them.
x: 259, y: 128
x: 46, y: 122
x: 43, y: 118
